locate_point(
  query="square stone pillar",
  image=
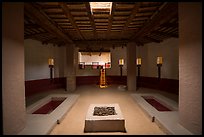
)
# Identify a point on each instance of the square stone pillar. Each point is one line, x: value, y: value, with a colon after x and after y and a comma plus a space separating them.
x: 131, y: 66
x: 13, y: 73
x: 71, y: 68
x: 71, y: 83
x: 190, y: 66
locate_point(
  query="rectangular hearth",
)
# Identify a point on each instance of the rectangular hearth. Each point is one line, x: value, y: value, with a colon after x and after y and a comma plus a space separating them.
x: 104, y: 118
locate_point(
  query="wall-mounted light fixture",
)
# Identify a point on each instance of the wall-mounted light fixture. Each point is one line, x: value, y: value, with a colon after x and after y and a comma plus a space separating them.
x: 159, y: 64
x: 139, y: 63
x: 51, y: 66
x: 121, y: 63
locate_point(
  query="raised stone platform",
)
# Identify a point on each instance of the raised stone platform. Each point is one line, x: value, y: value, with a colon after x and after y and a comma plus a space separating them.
x: 42, y: 124
x: 104, y: 123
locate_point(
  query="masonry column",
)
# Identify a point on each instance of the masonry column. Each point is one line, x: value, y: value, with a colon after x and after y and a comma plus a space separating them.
x: 131, y: 66
x: 190, y: 66
x: 13, y: 79
x: 71, y: 68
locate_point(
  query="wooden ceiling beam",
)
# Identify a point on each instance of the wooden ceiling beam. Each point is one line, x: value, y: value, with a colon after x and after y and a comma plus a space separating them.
x: 165, y: 34
x: 70, y: 17
x: 35, y: 35
x: 173, y: 25
x: 88, y: 9
x: 51, y: 40
x: 110, y: 19
x: 132, y: 15
x: 37, y: 15
x: 167, y: 12
x: 35, y: 26
x: 151, y: 39
x: 103, y: 42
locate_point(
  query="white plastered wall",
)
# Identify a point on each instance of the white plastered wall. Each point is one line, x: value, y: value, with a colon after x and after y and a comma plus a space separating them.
x: 36, y: 60
x: 116, y: 54
x: 168, y: 49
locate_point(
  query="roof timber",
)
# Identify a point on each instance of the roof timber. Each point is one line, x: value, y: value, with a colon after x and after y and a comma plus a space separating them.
x: 151, y: 39
x: 91, y: 18
x: 103, y: 42
x: 165, y: 34
x: 111, y: 17
x: 70, y: 17
x: 161, y: 17
x: 36, y: 35
x: 70, y: 22
x: 132, y: 15
x: 42, y: 20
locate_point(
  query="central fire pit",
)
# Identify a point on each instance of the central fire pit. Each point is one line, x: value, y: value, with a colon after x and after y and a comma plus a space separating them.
x: 104, y: 117
x: 104, y: 111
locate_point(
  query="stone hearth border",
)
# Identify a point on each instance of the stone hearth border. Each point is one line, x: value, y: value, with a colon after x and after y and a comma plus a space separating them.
x: 110, y: 123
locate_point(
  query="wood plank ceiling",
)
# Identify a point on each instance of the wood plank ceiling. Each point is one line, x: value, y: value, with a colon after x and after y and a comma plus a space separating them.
x: 61, y: 23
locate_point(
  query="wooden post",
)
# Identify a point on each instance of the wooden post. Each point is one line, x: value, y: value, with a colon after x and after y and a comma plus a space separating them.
x: 159, y: 71
x: 121, y: 70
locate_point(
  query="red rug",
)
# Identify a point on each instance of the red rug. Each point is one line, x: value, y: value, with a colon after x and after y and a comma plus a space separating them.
x: 49, y: 107
x: 156, y: 104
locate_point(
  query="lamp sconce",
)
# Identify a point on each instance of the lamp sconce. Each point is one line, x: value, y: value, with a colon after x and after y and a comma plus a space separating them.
x: 51, y: 66
x: 159, y: 64
x: 139, y: 63
x: 121, y: 63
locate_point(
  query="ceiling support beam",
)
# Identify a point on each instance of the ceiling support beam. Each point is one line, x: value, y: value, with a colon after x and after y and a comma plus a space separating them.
x: 165, y: 34
x: 173, y: 25
x: 102, y: 42
x: 151, y: 39
x: 36, y: 26
x: 132, y: 15
x: 70, y: 17
x: 167, y: 12
x: 88, y: 9
x: 35, y: 35
x: 110, y: 19
x: 37, y: 15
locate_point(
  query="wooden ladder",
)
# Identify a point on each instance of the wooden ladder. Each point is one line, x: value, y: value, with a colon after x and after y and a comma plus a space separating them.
x: 103, y: 79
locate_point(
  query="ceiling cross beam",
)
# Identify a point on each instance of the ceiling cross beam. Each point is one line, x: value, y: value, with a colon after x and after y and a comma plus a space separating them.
x: 110, y: 18
x: 151, y: 39
x: 165, y: 34
x: 167, y: 12
x: 88, y: 9
x: 35, y: 35
x: 102, y: 42
x: 173, y: 25
x: 37, y: 15
x: 132, y: 15
x: 70, y: 17
x: 36, y: 26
